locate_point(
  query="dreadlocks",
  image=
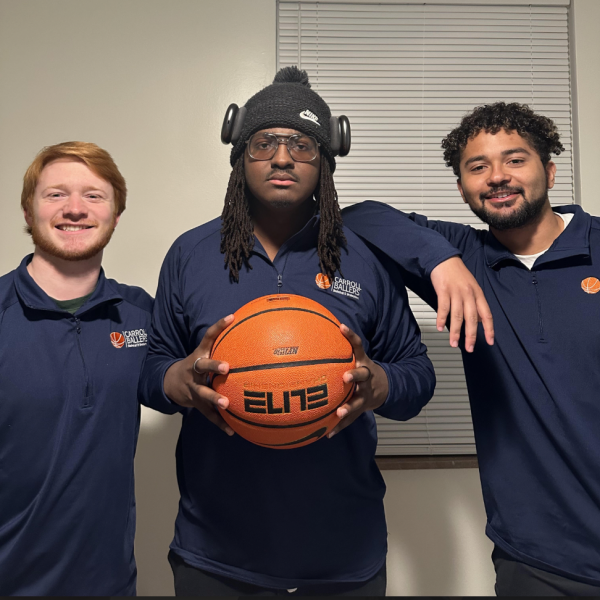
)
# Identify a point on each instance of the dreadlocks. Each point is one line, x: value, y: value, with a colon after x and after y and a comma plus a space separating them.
x: 331, y: 233
x: 237, y: 232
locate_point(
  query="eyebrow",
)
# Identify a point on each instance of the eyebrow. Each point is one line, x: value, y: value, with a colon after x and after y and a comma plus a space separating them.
x: 64, y: 188
x: 504, y: 153
x: 518, y: 150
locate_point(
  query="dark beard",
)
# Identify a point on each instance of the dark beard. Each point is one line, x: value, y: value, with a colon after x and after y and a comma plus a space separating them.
x: 527, y: 213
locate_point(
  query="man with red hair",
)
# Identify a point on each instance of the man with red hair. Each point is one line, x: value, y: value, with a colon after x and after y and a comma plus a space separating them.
x: 73, y: 343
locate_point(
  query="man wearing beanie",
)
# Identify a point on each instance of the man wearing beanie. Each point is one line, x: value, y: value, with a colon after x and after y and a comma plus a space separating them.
x: 255, y: 520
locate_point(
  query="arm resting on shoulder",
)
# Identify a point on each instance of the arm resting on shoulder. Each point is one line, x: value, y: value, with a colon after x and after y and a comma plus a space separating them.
x: 428, y: 253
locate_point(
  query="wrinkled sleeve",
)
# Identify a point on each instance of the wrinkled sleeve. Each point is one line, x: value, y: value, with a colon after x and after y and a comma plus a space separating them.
x: 168, y: 339
x: 416, y: 244
x: 396, y: 346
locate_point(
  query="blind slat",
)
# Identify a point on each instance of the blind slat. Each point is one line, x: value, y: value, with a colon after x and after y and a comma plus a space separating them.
x: 405, y: 74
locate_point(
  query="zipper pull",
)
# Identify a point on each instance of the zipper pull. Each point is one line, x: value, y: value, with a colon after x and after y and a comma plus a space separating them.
x: 279, y: 281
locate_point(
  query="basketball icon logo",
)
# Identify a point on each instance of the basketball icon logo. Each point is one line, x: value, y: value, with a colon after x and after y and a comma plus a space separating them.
x: 117, y: 339
x: 323, y: 281
x: 590, y: 285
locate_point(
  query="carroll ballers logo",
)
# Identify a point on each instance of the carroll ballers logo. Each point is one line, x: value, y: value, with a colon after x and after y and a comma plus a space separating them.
x: 134, y: 338
x: 590, y: 285
x: 323, y: 281
x: 344, y: 287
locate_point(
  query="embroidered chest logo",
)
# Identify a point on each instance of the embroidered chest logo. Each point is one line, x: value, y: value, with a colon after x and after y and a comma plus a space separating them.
x: 323, y: 281
x: 345, y: 287
x: 134, y: 338
x: 590, y: 285
x: 310, y: 116
x: 117, y: 339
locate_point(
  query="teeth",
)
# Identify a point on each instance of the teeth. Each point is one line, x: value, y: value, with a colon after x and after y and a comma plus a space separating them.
x: 72, y: 227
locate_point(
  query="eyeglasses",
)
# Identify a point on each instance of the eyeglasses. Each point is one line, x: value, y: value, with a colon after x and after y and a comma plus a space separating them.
x: 263, y: 146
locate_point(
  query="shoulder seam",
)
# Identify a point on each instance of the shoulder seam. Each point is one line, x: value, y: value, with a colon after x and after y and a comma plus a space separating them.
x: 188, y: 255
x: 128, y: 301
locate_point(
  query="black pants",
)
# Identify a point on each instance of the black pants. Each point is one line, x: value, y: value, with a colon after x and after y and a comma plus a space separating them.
x: 514, y: 578
x: 191, y: 581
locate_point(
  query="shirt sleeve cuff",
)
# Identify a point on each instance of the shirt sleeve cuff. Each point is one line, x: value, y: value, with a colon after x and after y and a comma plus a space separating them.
x: 391, y: 386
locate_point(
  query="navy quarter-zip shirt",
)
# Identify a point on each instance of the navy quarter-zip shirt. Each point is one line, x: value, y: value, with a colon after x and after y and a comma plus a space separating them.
x: 69, y: 420
x: 283, y: 518
x: 535, y: 394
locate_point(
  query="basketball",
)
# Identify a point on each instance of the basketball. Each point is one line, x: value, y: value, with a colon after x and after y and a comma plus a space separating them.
x: 590, y: 285
x: 287, y: 356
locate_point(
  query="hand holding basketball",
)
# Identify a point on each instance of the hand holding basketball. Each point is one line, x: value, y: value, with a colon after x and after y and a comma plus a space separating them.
x: 186, y: 381
x: 371, y: 384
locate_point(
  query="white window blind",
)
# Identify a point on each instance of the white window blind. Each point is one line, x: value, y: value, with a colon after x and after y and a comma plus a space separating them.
x: 405, y: 74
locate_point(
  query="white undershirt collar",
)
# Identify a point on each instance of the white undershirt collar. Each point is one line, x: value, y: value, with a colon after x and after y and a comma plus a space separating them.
x: 529, y: 259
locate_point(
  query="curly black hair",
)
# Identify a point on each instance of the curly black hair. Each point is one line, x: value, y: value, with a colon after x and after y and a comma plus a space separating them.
x: 539, y: 131
x: 237, y: 231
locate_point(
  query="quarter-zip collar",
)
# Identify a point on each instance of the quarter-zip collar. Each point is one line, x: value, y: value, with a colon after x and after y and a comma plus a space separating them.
x: 573, y: 241
x: 33, y: 296
x: 305, y: 237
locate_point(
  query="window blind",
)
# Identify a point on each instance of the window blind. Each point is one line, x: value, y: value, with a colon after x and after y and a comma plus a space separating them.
x: 405, y: 74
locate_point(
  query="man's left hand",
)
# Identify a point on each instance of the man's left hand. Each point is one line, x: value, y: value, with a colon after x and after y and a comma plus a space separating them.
x: 371, y: 384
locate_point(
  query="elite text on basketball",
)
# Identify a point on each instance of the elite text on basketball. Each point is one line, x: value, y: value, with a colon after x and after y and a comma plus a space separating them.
x: 265, y: 403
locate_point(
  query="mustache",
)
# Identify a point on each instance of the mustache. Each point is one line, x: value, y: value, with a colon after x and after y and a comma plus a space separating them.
x: 501, y: 190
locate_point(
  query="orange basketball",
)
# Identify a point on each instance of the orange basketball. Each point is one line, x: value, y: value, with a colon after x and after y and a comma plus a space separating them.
x: 287, y: 356
x: 590, y: 285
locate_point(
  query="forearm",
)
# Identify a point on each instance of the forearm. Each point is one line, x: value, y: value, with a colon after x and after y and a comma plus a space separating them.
x: 411, y: 384
x: 151, y: 387
x: 407, y: 239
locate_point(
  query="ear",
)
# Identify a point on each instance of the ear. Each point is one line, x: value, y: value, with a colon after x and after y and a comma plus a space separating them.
x: 117, y: 219
x: 28, y: 218
x: 550, y: 174
x: 460, y: 189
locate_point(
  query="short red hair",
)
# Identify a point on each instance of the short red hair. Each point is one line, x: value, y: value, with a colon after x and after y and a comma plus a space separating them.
x: 95, y: 158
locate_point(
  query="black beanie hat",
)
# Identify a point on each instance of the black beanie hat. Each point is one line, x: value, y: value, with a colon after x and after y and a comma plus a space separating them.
x: 287, y: 102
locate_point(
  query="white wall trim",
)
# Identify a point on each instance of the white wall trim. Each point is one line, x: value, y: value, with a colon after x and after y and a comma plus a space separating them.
x: 454, y: 2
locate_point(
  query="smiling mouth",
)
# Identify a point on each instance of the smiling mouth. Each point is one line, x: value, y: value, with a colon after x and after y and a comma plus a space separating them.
x: 73, y: 227
x: 499, y: 197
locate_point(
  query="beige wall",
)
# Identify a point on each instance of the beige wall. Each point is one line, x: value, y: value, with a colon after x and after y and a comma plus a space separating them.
x: 150, y: 80
x: 585, y: 59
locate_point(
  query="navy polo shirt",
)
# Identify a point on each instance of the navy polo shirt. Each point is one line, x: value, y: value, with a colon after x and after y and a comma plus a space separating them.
x: 283, y: 518
x: 535, y: 393
x: 69, y: 421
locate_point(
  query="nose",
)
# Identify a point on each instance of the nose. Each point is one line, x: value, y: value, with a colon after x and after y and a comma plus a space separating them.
x: 282, y: 158
x: 75, y: 207
x: 498, y: 175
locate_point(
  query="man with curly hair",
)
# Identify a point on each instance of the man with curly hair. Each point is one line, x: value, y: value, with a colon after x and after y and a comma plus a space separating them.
x: 534, y: 393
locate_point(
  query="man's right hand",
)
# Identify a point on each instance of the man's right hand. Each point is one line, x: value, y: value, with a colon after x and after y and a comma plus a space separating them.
x: 187, y: 382
x: 461, y: 298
